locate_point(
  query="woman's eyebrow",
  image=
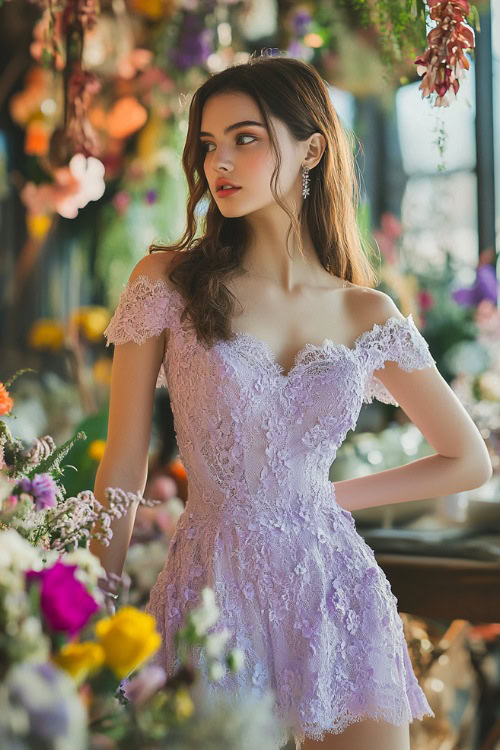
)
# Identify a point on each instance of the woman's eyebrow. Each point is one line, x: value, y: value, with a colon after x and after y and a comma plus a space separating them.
x: 234, y: 126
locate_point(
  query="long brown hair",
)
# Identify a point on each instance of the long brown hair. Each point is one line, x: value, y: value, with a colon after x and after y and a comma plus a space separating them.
x: 293, y: 92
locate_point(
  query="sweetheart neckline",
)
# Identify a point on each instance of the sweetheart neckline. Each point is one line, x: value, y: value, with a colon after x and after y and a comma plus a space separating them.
x: 266, y: 347
x: 308, y: 347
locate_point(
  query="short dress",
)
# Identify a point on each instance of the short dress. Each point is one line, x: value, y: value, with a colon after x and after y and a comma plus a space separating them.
x: 295, y: 583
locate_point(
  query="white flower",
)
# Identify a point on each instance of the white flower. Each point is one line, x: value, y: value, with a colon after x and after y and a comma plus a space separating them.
x: 207, y: 614
x: 17, y: 553
x: 215, y: 641
x: 90, y: 174
x: 216, y: 671
x: 89, y: 566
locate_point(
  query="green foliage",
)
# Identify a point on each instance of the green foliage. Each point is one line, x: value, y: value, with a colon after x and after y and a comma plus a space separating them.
x: 400, y: 24
x: 95, y: 427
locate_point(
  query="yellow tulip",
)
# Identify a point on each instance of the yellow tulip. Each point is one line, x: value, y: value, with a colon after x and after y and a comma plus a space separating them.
x: 128, y: 638
x: 79, y: 659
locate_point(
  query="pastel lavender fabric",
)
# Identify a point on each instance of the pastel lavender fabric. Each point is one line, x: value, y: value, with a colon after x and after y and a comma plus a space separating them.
x: 296, y: 584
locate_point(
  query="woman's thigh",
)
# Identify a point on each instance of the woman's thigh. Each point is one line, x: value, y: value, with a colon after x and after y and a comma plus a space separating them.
x: 368, y: 734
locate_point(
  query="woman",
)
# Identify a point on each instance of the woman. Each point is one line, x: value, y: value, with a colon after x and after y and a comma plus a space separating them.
x: 263, y: 399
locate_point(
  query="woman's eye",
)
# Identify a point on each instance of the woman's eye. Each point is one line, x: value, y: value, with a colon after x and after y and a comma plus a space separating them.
x: 205, y: 144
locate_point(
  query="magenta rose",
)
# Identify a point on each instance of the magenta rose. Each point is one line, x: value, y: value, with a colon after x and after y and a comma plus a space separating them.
x: 65, y: 602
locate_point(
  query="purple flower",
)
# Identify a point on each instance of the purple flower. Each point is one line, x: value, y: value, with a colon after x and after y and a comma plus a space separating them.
x: 151, y: 197
x: 300, y: 22
x: 65, y: 602
x: 484, y: 287
x: 43, y: 489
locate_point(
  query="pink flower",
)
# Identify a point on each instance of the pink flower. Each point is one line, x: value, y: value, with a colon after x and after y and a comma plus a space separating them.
x: 65, y: 602
x: 145, y: 685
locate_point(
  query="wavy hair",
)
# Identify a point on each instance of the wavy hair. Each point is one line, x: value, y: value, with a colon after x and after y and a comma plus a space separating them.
x: 293, y: 92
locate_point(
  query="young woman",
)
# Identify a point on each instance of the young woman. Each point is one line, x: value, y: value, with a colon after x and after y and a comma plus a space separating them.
x: 263, y: 394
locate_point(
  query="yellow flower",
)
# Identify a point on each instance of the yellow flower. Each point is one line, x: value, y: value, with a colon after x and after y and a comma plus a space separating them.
x: 92, y: 320
x: 184, y: 706
x: 96, y: 449
x: 46, y: 333
x: 128, y: 639
x: 101, y: 370
x: 79, y: 659
x: 38, y: 225
x: 154, y: 9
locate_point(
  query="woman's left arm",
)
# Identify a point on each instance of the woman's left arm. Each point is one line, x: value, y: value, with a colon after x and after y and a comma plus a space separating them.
x: 461, y: 462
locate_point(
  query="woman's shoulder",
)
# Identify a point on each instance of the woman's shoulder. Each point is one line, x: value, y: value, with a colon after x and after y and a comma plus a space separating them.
x: 371, y: 306
x: 154, y: 267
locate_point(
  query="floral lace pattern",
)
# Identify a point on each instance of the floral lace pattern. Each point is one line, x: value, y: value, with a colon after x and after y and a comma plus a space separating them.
x: 296, y: 584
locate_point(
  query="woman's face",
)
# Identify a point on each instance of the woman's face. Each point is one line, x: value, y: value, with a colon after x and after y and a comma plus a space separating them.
x: 243, y: 154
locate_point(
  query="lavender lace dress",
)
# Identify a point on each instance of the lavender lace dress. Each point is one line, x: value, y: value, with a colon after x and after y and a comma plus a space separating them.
x: 296, y: 584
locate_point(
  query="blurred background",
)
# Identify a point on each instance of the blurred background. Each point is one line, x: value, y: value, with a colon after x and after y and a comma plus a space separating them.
x: 93, y: 117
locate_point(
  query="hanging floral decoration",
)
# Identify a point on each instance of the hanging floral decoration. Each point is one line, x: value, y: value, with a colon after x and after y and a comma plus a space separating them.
x: 444, y: 61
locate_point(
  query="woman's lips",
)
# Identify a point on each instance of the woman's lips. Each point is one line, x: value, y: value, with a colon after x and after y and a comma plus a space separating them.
x: 223, y: 192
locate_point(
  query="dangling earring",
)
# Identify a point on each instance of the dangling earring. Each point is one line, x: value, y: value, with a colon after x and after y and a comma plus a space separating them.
x: 305, y: 181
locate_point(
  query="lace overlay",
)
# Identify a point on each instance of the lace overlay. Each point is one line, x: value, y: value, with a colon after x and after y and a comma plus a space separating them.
x: 296, y: 584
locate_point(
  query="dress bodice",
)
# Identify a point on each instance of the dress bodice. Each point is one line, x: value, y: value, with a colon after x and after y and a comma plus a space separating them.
x: 246, y: 431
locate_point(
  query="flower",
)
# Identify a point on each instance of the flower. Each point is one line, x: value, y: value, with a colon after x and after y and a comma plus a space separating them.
x: 128, y: 639
x: 89, y: 566
x: 65, y: 602
x: 207, y: 613
x: 215, y: 641
x: 79, y: 659
x: 43, y: 488
x: 92, y: 320
x: 6, y: 403
x: 16, y: 553
x: 89, y: 175
x: 216, y: 671
x: 43, y: 698
x: 444, y: 61
x: 146, y: 684
x: 46, y: 334
x: 96, y: 449
x: 184, y: 705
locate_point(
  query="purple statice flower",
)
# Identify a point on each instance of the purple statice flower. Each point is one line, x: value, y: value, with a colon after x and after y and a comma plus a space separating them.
x: 43, y: 489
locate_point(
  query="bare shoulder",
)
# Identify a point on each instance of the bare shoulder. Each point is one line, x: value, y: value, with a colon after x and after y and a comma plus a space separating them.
x: 367, y: 306
x: 154, y: 266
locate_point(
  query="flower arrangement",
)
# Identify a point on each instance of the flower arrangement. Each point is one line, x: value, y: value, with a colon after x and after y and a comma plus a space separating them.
x: 76, y: 672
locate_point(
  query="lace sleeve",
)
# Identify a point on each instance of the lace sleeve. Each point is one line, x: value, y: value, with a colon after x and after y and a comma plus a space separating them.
x: 145, y: 308
x: 397, y: 340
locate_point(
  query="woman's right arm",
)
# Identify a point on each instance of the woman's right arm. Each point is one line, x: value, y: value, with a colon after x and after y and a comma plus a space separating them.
x: 124, y: 464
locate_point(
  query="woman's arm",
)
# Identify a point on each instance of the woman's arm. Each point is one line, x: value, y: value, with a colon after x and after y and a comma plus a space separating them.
x: 125, y: 461
x: 462, y: 461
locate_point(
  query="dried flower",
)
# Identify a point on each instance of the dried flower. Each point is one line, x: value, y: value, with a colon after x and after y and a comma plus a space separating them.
x: 444, y: 61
